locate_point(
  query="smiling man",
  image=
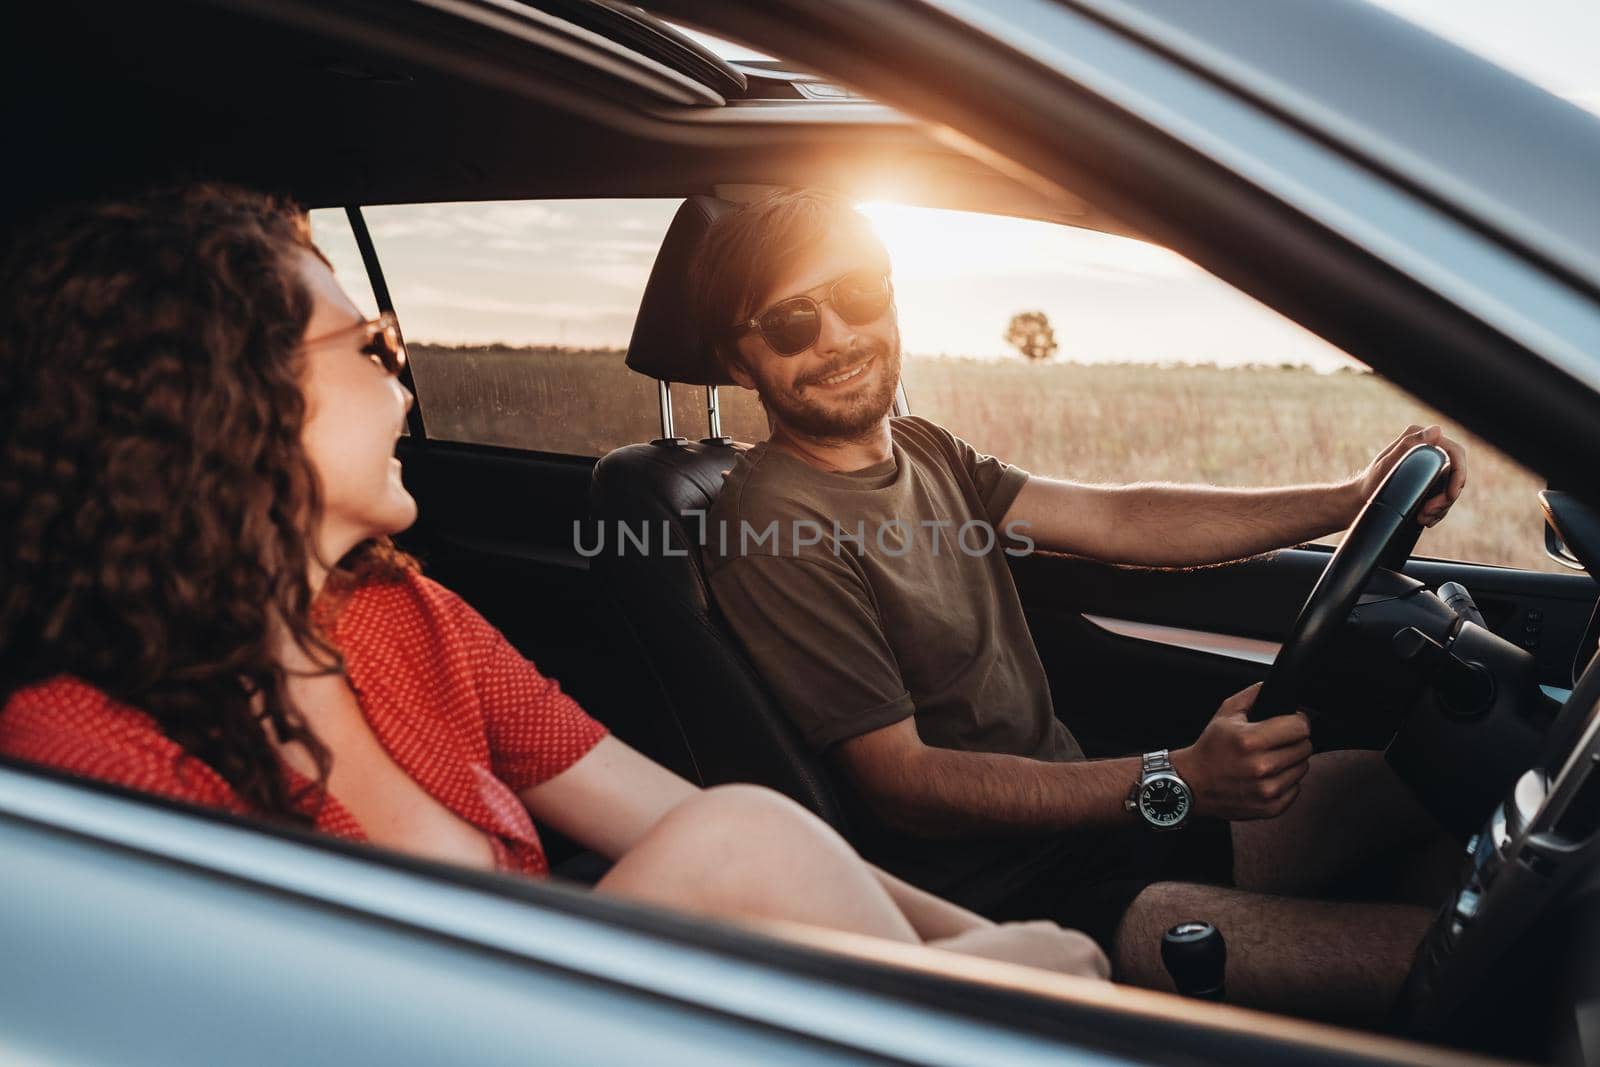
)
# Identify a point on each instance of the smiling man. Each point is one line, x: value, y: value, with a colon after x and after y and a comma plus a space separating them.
x: 862, y: 560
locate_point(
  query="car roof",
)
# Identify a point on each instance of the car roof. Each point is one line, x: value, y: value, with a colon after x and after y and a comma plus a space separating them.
x: 474, y: 102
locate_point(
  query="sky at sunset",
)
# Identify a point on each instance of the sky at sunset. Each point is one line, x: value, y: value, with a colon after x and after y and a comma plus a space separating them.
x: 571, y: 272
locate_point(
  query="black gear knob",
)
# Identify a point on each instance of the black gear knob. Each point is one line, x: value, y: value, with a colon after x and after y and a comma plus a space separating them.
x: 1196, y: 957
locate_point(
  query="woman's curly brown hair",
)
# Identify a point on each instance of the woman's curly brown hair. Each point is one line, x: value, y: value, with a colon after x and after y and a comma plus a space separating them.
x: 155, y: 500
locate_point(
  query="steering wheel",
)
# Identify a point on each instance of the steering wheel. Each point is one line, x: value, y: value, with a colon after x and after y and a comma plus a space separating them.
x: 1384, y: 534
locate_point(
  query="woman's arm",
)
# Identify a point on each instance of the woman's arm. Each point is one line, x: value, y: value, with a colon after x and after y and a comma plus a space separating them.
x: 609, y: 799
x: 933, y: 918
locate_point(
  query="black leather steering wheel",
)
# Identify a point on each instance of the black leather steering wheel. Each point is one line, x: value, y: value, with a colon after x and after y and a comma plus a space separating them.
x: 1383, y: 535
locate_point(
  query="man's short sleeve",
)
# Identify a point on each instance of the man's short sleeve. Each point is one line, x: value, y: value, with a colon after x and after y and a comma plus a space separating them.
x: 997, y: 481
x: 812, y: 629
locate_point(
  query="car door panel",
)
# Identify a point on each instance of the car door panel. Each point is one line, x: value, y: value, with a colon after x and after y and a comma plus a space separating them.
x: 1140, y: 658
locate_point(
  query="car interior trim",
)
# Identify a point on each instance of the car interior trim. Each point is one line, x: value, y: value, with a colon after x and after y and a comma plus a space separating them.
x: 637, y: 30
x: 577, y: 42
x: 598, y: 74
x: 1248, y: 649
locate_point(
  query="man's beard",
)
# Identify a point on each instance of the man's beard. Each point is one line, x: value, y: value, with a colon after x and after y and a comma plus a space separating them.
x: 850, y: 416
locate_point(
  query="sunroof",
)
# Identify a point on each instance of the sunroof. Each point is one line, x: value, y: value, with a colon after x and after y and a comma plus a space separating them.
x: 639, y: 31
x: 770, y: 78
x: 723, y: 49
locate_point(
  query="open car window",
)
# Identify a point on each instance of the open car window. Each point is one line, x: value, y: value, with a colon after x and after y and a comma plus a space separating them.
x: 1099, y: 358
x: 517, y: 317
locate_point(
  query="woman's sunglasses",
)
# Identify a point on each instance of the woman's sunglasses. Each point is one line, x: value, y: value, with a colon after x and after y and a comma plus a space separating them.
x: 793, y: 325
x: 382, y: 341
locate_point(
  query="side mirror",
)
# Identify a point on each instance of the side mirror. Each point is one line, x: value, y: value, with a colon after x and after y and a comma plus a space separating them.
x: 1557, y: 549
x: 1571, y: 530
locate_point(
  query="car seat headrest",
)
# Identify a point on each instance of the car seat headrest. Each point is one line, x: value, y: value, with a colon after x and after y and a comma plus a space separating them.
x: 665, y: 344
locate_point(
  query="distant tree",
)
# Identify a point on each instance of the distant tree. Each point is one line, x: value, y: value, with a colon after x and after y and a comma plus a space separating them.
x: 1030, y: 332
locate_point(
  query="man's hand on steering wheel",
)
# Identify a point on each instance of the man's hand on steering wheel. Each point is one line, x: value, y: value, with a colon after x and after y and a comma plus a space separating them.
x: 1246, y: 770
x: 1366, y: 483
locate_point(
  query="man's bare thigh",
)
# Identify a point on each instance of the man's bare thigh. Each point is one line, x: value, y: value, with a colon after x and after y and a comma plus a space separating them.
x: 1352, y: 813
x: 1343, y: 961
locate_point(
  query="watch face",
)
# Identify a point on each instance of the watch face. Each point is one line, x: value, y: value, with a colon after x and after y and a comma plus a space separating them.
x: 1164, y: 801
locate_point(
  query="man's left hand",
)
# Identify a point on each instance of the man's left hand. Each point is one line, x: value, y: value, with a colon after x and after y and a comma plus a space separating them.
x: 1435, y: 508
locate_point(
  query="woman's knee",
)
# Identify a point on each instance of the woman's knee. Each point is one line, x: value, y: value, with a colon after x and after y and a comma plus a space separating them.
x: 742, y: 849
x: 743, y: 824
x: 750, y: 815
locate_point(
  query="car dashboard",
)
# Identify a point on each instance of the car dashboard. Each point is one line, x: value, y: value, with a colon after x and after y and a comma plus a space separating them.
x: 1507, y: 966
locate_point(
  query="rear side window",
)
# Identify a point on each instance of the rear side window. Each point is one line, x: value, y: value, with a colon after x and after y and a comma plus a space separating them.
x: 330, y: 230
x: 517, y: 316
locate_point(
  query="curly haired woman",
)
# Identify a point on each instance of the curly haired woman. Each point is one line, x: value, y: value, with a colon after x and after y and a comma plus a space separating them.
x: 198, y: 597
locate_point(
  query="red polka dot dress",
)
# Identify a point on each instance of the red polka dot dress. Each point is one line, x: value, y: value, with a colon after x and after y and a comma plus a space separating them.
x: 448, y: 697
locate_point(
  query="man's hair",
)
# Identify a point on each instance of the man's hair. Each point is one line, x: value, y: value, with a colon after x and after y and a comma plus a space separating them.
x: 155, y: 493
x: 744, y: 253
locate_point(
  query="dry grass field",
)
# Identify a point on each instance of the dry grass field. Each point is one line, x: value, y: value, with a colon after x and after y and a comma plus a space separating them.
x: 1094, y: 422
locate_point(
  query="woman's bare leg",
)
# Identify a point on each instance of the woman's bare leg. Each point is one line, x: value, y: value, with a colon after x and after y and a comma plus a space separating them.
x: 745, y: 852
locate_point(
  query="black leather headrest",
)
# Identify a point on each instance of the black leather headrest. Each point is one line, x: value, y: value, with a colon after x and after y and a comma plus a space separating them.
x: 665, y: 344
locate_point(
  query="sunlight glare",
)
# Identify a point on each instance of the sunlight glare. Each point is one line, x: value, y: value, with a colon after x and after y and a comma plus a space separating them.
x: 930, y: 243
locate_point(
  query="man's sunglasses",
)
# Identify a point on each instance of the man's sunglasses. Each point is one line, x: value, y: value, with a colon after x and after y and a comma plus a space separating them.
x: 793, y: 325
x: 382, y: 341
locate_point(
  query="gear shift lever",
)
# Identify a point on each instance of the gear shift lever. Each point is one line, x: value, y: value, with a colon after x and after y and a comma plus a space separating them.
x: 1196, y: 957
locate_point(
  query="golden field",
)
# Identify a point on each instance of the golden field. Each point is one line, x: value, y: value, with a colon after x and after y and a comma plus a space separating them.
x: 1088, y: 422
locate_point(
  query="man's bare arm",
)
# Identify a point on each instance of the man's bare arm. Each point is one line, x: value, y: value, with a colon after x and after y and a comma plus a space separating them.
x: 939, y: 792
x: 1159, y: 525
x: 1236, y: 770
x: 1162, y: 525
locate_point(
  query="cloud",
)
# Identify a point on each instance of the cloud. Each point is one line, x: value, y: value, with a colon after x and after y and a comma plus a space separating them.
x: 630, y: 278
x: 617, y: 251
x: 467, y: 223
x: 406, y: 227
x: 516, y: 244
x: 500, y: 219
x: 656, y: 227
x: 472, y: 303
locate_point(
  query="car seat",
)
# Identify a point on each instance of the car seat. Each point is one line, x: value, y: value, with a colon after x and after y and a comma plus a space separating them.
x: 711, y: 696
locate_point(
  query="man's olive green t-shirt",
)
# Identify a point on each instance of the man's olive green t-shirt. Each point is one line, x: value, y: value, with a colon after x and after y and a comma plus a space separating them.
x: 868, y: 597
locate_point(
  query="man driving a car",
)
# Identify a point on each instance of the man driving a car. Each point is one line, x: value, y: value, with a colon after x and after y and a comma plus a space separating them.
x: 862, y: 560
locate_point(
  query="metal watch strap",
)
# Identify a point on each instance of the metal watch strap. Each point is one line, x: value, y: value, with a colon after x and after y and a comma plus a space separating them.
x: 1149, y: 763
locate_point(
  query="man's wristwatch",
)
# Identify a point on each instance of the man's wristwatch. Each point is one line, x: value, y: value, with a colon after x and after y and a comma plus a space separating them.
x: 1160, y: 796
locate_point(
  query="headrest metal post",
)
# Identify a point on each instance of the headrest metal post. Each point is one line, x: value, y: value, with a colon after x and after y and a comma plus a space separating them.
x: 713, y: 413
x: 664, y: 397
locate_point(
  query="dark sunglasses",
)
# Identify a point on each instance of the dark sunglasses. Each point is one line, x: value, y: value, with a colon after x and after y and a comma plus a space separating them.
x: 793, y: 325
x: 382, y: 344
